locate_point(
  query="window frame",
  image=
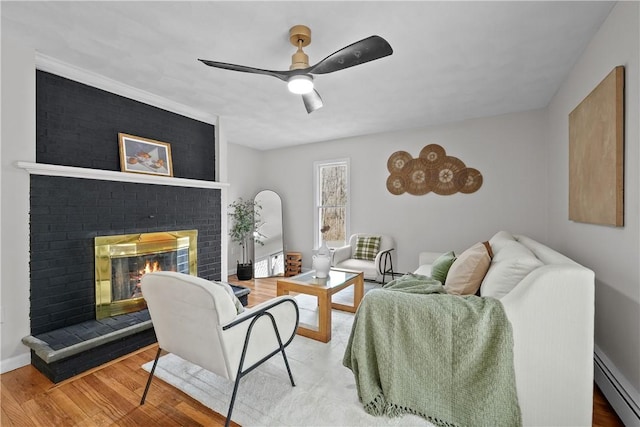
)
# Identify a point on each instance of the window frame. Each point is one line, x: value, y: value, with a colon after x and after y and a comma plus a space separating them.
x: 317, y: 165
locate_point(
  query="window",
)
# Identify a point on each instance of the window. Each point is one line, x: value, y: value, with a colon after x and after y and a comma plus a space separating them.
x: 332, y: 202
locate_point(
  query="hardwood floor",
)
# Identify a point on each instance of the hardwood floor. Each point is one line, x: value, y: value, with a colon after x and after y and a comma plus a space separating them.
x: 107, y: 396
x: 603, y: 414
x: 110, y: 394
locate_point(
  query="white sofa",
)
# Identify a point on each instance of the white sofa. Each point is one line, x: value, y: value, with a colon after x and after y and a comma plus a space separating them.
x: 549, y: 300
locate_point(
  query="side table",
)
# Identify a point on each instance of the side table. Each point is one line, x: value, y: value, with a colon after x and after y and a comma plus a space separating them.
x: 293, y: 264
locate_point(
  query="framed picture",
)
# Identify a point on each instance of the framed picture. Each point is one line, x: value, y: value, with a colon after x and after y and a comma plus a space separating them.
x: 143, y: 155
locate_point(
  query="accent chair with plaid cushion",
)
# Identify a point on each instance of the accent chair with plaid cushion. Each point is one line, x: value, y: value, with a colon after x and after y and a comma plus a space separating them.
x: 367, y: 247
x: 368, y: 253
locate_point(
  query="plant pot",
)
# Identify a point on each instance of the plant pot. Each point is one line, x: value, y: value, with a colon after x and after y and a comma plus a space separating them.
x: 244, y: 271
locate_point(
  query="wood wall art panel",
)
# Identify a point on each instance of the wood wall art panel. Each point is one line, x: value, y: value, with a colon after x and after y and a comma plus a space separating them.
x: 431, y: 171
x: 596, y: 154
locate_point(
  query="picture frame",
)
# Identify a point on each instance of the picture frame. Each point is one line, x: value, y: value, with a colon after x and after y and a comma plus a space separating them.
x: 144, y: 155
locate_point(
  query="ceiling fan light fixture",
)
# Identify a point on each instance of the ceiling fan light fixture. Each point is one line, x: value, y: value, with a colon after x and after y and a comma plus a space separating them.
x: 300, y: 84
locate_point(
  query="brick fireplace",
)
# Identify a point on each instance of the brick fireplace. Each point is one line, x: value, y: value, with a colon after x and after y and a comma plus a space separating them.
x: 67, y: 214
x: 77, y: 127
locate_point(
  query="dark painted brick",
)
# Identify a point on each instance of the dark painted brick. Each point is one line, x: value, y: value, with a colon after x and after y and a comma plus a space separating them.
x: 77, y: 125
x: 48, y: 237
x: 72, y: 259
x: 67, y: 245
x: 54, y: 281
x: 66, y: 368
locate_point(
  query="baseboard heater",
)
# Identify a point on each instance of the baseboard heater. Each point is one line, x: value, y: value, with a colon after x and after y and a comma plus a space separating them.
x: 615, y: 389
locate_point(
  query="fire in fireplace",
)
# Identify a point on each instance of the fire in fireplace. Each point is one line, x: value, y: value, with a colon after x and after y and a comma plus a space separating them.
x: 122, y: 260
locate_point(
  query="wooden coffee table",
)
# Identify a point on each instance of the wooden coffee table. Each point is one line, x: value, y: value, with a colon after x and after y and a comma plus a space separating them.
x: 323, y: 289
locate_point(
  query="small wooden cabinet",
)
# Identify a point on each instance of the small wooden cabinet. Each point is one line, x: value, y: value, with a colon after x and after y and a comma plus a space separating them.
x: 293, y: 264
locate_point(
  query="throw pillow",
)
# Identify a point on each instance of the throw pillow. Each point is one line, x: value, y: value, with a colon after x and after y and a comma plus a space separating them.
x: 234, y: 298
x: 505, y: 275
x: 512, y: 250
x: 500, y: 239
x: 441, y: 266
x: 468, y: 270
x: 367, y: 247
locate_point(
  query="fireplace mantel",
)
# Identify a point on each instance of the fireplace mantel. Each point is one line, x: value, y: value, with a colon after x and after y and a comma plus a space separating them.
x: 104, y: 175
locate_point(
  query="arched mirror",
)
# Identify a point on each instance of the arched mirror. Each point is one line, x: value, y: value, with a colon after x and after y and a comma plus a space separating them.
x: 269, y: 252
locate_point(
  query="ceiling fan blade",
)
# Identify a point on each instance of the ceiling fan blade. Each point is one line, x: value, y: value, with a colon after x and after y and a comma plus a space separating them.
x: 365, y: 50
x: 312, y: 101
x: 282, y: 75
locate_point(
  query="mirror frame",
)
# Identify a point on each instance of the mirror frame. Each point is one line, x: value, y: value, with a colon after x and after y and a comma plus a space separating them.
x: 271, y: 224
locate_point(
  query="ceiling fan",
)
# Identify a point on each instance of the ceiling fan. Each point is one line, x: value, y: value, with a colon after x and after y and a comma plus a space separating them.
x: 299, y: 77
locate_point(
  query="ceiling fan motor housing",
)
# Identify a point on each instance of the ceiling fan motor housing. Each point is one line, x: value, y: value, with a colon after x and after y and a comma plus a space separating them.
x: 299, y: 36
x: 300, y: 33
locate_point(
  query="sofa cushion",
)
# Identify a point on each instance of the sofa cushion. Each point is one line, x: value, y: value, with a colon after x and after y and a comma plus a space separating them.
x: 468, y: 270
x: 505, y: 275
x: 441, y: 266
x: 500, y: 239
x: 423, y: 270
x: 369, y: 269
x: 367, y: 247
x: 511, y: 263
x: 511, y: 250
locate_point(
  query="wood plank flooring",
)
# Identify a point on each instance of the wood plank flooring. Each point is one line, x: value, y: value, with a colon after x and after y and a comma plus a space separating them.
x: 110, y: 394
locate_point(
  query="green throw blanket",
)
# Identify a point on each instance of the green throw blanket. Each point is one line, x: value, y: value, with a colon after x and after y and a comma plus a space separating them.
x: 415, y: 349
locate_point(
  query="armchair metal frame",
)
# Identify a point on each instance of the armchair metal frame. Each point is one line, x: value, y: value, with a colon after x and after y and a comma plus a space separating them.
x: 254, y: 317
x: 385, y: 265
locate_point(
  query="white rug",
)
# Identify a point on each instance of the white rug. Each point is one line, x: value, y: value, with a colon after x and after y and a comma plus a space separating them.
x: 325, y: 392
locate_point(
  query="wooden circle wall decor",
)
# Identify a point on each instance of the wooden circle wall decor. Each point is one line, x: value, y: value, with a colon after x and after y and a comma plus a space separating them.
x: 433, y: 154
x: 395, y: 184
x: 470, y: 181
x: 417, y: 177
x: 431, y: 171
x: 446, y: 181
x: 397, y: 161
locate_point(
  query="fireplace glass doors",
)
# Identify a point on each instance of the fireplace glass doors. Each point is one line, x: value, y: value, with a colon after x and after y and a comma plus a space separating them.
x: 122, y: 260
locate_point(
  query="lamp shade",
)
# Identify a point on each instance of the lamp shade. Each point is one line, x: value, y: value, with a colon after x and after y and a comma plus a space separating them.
x: 300, y: 84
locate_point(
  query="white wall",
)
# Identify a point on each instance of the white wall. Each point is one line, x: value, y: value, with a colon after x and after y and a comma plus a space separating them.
x: 613, y: 253
x: 508, y: 150
x: 221, y: 162
x: 245, y: 172
x: 18, y: 143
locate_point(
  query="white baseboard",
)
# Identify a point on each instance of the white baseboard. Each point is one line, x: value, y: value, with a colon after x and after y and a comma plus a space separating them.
x: 15, y: 362
x: 622, y: 397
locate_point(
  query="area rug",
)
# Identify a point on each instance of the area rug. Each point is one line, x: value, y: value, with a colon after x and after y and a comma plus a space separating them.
x: 325, y: 392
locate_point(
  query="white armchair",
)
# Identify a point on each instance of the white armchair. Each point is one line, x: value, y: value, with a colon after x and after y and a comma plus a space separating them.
x: 377, y: 269
x: 197, y: 320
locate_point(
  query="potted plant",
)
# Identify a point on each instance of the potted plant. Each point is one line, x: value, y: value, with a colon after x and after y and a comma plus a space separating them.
x: 246, y: 217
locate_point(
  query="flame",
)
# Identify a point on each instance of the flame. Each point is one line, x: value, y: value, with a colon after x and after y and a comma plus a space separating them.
x: 149, y: 268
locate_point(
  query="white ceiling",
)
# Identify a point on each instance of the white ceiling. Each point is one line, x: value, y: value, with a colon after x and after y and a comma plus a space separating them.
x: 451, y: 60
